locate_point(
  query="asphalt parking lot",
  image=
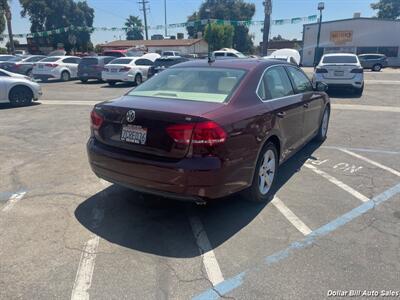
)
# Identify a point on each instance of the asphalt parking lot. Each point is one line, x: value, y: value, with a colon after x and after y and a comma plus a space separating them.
x: 334, y: 224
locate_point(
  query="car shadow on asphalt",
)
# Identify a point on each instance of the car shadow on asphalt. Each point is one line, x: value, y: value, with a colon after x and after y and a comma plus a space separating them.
x: 4, y: 106
x: 160, y: 226
x: 118, y: 85
x: 342, y: 93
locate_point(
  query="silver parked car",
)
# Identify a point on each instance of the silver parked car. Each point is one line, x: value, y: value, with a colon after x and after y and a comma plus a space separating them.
x: 375, y: 62
x: 19, y: 90
x: 340, y: 70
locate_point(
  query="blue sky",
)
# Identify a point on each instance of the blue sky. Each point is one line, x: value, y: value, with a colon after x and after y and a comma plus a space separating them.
x: 111, y: 13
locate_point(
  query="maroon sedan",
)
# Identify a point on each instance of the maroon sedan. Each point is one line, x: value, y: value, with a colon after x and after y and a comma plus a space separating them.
x: 200, y: 131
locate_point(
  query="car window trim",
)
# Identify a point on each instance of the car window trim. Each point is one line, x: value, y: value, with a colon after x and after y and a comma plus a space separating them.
x: 261, y: 78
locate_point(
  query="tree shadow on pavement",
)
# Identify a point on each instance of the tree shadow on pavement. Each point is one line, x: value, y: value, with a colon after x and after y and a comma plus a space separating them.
x: 160, y: 226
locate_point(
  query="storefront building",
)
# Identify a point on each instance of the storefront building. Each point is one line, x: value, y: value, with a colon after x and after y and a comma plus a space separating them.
x: 357, y: 35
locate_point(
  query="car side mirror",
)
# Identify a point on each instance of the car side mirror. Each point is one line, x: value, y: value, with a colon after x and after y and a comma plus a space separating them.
x: 321, y: 87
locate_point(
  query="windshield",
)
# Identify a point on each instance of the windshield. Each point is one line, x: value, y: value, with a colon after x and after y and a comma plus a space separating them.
x: 121, y: 61
x: 34, y: 59
x: 50, y: 59
x: 15, y: 59
x: 89, y: 61
x: 167, y: 62
x: 340, y: 59
x: 195, y: 84
x: 6, y: 58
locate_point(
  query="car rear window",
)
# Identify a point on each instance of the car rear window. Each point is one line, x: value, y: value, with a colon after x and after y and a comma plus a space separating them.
x: 89, y: 61
x: 50, y: 59
x: 344, y: 59
x: 15, y: 59
x: 167, y: 62
x: 193, y: 84
x: 121, y: 61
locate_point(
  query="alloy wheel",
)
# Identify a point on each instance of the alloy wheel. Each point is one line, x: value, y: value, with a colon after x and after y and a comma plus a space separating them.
x: 266, y: 173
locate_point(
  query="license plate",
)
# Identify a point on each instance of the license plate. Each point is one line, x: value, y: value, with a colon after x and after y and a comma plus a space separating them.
x: 339, y: 73
x: 134, y: 134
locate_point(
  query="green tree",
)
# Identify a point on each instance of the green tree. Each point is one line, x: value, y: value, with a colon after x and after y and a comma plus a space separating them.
x: 226, y: 10
x: 5, y: 13
x: 52, y: 14
x: 219, y: 36
x: 387, y: 9
x: 135, y: 28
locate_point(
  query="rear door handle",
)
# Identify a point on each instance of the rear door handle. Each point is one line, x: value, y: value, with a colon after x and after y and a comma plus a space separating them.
x: 306, y: 105
x: 281, y: 114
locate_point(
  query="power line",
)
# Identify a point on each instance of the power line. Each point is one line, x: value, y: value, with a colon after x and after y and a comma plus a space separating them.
x: 144, y: 9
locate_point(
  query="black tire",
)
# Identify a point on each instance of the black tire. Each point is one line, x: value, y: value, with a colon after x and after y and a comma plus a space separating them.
x: 84, y: 80
x: 20, y: 96
x: 138, y: 79
x: 359, y: 91
x: 111, y: 83
x: 253, y: 193
x: 377, y: 67
x: 65, y: 76
x: 322, y: 132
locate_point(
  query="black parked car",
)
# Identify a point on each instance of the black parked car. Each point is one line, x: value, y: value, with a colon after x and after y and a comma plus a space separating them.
x: 163, y: 63
x: 21, y: 64
x: 375, y: 62
x: 91, y: 67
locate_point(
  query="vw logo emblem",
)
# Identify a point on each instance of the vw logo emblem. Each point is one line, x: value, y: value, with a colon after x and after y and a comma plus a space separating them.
x: 130, y: 116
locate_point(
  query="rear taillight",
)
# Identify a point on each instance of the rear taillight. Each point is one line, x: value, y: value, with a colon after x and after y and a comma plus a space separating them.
x: 358, y: 70
x: 321, y: 70
x: 205, y: 133
x: 96, y: 120
x: 125, y: 69
x: 51, y: 65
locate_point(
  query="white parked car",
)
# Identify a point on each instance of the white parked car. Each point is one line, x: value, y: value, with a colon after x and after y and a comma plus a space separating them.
x: 289, y: 59
x: 228, y: 53
x: 17, y: 89
x: 56, y: 67
x: 340, y: 70
x: 129, y: 69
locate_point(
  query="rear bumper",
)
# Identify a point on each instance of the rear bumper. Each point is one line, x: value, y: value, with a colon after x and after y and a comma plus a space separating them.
x: 84, y: 75
x: 189, y: 179
x: 123, y: 77
x: 356, y: 82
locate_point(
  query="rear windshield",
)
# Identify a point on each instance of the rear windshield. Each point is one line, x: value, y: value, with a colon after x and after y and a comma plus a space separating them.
x: 34, y: 59
x: 5, y: 58
x: 167, y: 62
x: 121, y: 61
x: 89, y: 61
x: 50, y: 59
x: 340, y: 60
x: 194, y: 84
x: 16, y: 59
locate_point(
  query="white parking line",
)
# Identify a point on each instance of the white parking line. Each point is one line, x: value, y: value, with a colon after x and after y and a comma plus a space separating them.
x: 12, y: 201
x: 292, y: 218
x: 338, y: 183
x: 362, y: 150
x: 393, y: 171
x: 83, y: 279
x: 209, y: 260
x: 392, y: 109
x: 84, y: 275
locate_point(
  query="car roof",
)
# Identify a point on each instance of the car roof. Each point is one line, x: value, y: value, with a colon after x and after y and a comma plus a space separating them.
x: 377, y: 54
x: 339, y: 54
x: 235, y: 63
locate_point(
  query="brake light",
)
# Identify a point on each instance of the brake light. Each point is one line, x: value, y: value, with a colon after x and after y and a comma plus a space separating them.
x: 125, y: 69
x: 96, y: 120
x: 51, y: 65
x: 205, y: 133
x: 358, y: 71
x: 321, y: 70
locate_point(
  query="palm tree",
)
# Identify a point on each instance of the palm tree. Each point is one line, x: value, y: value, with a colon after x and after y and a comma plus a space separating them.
x: 134, y: 28
x: 5, y: 9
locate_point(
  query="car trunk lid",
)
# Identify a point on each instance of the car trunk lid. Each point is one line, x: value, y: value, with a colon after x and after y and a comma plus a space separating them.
x: 339, y: 71
x: 145, y: 129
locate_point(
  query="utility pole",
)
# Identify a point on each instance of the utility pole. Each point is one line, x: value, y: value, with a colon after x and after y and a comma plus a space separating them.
x: 267, y: 24
x: 144, y: 9
x: 165, y: 17
x: 317, y: 52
